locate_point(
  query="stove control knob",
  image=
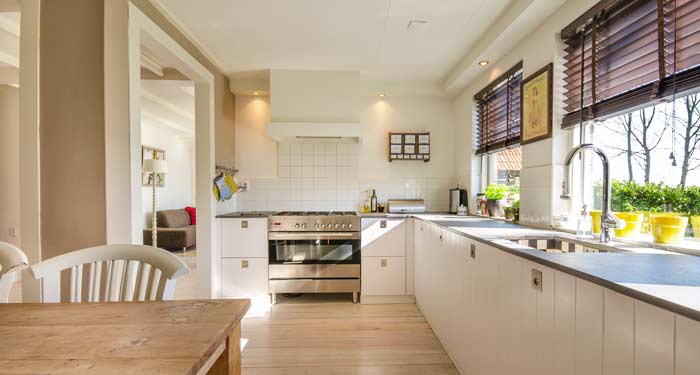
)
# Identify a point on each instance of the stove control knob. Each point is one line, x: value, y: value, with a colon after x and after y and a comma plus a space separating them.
x: 303, y: 225
x: 337, y: 226
x: 344, y: 226
x: 349, y: 226
x: 323, y: 226
x: 317, y: 225
x: 296, y: 225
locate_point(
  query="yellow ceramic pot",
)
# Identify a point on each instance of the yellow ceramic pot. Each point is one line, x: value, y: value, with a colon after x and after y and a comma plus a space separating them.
x: 633, y: 223
x: 695, y: 222
x: 595, y: 215
x: 668, y: 228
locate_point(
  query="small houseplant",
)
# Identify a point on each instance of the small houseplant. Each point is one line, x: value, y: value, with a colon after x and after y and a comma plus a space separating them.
x: 692, y: 208
x: 495, y: 197
x: 516, y: 211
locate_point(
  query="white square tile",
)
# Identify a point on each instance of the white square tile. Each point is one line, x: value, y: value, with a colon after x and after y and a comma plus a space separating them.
x: 295, y: 149
x: 285, y: 171
x: 319, y: 171
x: 331, y: 148
x: 285, y: 160
x: 284, y: 148
x: 319, y: 159
x: 307, y: 205
x: 295, y: 172
x: 307, y: 149
x: 295, y: 160
x: 307, y: 183
x: 307, y: 160
x: 307, y: 171
x: 307, y: 195
x: 331, y: 159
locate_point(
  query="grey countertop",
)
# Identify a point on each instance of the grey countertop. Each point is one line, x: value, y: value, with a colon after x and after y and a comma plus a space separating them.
x: 244, y: 214
x: 662, y: 278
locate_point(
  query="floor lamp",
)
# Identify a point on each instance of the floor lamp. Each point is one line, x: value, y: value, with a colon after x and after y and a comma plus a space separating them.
x: 154, y: 167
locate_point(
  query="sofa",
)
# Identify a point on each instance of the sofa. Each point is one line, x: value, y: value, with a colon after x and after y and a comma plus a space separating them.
x: 175, y: 230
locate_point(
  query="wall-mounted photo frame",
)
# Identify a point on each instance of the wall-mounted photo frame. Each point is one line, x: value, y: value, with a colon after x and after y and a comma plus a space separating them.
x: 148, y: 152
x: 536, y: 106
x: 408, y: 146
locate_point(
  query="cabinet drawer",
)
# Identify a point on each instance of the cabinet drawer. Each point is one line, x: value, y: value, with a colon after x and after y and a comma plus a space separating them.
x: 244, y: 277
x: 384, y: 276
x: 245, y: 237
x: 384, y: 237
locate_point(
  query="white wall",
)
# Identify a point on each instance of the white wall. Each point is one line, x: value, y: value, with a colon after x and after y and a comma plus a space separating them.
x: 542, y: 161
x: 338, y: 176
x: 179, y: 190
x: 9, y: 164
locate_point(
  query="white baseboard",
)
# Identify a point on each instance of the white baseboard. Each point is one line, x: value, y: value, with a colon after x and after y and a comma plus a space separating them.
x: 379, y: 300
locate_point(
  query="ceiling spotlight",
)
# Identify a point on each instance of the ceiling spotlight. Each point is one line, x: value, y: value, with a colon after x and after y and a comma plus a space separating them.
x: 483, y: 62
x: 381, y: 95
x: 255, y: 93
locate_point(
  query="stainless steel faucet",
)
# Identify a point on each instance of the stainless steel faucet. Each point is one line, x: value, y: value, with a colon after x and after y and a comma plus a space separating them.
x: 608, y: 219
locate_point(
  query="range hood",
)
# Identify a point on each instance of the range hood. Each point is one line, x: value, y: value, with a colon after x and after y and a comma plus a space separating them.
x: 314, y: 105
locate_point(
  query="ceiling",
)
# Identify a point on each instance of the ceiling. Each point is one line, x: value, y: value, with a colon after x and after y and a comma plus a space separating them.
x: 169, y: 104
x: 366, y: 35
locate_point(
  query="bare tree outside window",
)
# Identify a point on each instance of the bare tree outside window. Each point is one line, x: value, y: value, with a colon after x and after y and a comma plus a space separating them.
x: 690, y: 136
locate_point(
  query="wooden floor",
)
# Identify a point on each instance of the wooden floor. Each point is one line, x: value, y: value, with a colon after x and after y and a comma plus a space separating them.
x: 327, y: 334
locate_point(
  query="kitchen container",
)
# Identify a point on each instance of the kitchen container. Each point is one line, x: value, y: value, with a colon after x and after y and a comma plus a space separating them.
x: 633, y: 223
x: 405, y: 206
x: 458, y: 197
x: 668, y: 228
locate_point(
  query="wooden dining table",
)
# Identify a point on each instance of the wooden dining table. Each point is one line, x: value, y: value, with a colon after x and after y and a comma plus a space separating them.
x: 170, y: 337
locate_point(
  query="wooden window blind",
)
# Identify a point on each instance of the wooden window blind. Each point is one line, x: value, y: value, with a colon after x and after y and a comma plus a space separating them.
x: 498, y: 112
x: 624, y: 54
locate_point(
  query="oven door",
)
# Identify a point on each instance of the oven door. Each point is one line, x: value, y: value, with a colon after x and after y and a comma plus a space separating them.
x: 314, y: 248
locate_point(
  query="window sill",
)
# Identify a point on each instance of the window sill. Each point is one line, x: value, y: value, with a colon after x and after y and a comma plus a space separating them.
x: 688, y: 245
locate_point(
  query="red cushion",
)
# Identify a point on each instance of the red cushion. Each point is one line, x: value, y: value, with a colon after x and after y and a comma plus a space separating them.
x: 193, y: 214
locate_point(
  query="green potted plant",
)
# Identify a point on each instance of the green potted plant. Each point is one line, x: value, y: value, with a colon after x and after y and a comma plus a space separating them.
x: 495, y: 197
x: 516, y: 211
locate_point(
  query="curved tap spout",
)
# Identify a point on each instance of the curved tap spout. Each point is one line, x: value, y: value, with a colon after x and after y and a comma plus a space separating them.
x: 608, y: 220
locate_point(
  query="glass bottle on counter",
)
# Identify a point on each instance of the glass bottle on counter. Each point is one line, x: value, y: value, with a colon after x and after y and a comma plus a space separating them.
x: 584, y: 229
x: 373, y: 201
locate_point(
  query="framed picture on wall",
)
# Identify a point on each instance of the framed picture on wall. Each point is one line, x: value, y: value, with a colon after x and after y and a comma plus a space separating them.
x: 148, y: 152
x: 536, y: 106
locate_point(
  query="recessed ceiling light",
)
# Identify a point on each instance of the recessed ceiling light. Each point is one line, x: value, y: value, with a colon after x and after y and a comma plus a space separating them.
x: 381, y: 95
x: 483, y: 62
x: 255, y: 93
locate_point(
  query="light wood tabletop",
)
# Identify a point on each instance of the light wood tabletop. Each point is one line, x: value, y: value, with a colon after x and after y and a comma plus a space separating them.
x: 171, y: 337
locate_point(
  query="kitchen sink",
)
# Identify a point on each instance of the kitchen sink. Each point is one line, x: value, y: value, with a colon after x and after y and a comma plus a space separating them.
x: 564, y: 245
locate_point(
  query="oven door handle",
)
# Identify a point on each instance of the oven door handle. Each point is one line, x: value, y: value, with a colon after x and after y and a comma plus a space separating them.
x: 315, y: 236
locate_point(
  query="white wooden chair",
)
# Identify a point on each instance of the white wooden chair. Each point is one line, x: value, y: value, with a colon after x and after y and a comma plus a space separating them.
x: 11, y: 259
x: 111, y: 273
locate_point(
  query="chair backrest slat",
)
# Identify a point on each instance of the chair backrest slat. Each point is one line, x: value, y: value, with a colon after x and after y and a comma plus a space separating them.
x: 12, y: 259
x: 115, y: 273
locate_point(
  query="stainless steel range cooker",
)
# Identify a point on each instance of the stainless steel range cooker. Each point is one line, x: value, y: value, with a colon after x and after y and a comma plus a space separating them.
x: 314, y: 252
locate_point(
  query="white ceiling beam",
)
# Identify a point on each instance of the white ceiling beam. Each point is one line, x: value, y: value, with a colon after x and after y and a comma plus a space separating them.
x: 166, y: 104
x: 152, y: 65
x: 9, y: 6
x: 458, y: 76
x: 169, y: 74
x: 9, y: 76
x: 9, y: 26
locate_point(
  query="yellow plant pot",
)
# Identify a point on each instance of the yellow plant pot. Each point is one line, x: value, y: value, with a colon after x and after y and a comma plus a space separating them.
x: 633, y: 224
x: 668, y: 228
x: 695, y: 222
x: 595, y: 215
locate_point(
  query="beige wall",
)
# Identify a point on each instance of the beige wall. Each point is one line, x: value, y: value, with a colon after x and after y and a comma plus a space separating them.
x: 72, y: 142
x: 9, y: 163
x: 224, y: 101
x: 72, y: 108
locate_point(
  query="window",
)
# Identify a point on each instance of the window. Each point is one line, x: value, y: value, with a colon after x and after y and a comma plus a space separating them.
x: 634, y: 67
x: 624, y: 54
x: 498, y: 112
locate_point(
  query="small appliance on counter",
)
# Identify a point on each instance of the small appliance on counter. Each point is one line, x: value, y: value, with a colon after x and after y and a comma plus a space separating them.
x: 458, y: 197
x: 405, y: 206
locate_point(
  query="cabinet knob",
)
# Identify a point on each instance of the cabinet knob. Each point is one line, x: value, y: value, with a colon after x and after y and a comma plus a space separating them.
x: 244, y: 224
x: 537, y: 279
x: 440, y: 237
x: 244, y: 264
x: 382, y: 224
x: 472, y: 251
x: 383, y: 263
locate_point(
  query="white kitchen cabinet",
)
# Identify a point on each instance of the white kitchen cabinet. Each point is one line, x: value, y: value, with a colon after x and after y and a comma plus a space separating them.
x: 244, y: 277
x: 244, y: 238
x: 687, y: 346
x: 654, y: 331
x: 564, y: 339
x: 384, y: 237
x: 618, y: 335
x: 589, y: 328
x: 383, y: 276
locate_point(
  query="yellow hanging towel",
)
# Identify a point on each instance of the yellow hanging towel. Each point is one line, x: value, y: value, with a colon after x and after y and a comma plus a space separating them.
x: 231, y: 182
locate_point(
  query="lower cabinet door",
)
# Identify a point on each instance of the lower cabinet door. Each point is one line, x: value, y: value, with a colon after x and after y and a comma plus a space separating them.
x: 384, y: 276
x: 244, y: 277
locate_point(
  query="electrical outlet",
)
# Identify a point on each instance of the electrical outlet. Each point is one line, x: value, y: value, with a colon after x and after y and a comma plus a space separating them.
x: 12, y: 232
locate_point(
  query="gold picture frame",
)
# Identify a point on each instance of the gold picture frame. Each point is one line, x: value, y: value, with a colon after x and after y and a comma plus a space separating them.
x: 149, y: 152
x: 536, y: 106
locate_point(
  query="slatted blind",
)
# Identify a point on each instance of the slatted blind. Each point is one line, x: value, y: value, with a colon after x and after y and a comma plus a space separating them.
x: 498, y: 112
x: 632, y: 53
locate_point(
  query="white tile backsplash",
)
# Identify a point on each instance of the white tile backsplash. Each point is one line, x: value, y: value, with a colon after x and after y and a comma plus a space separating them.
x: 325, y: 177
